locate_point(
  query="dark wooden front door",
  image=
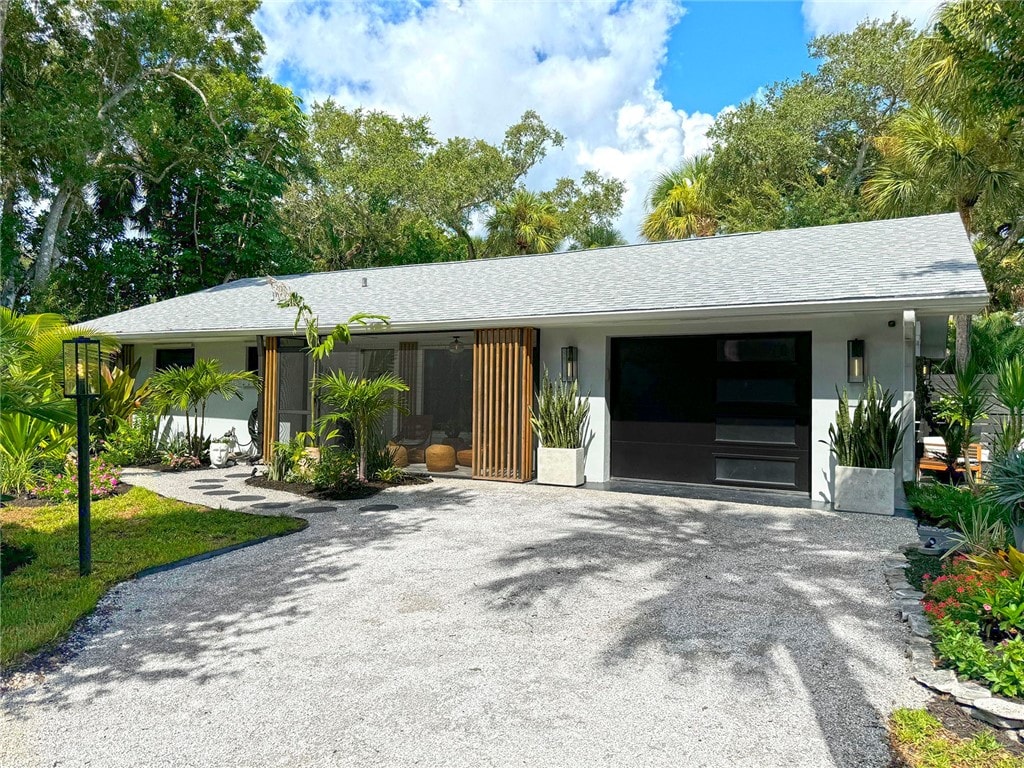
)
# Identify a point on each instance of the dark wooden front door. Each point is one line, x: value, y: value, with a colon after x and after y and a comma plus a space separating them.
x: 729, y: 410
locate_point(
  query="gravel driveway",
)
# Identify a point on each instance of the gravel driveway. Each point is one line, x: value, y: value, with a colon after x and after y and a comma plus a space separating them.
x: 481, y: 624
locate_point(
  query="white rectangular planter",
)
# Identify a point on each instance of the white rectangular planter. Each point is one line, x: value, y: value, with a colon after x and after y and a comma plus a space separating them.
x: 872, y: 491
x: 560, y: 466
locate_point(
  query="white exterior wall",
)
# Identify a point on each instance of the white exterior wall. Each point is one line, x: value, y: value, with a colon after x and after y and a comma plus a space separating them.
x: 886, y: 360
x: 221, y: 414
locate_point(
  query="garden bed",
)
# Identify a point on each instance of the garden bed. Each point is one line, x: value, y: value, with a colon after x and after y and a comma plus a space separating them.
x: 363, y: 491
x: 41, y: 600
x: 927, y: 739
x: 31, y: 500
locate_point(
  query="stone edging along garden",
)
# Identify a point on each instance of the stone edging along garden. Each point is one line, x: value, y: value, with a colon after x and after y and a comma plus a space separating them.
x: 977, y: 700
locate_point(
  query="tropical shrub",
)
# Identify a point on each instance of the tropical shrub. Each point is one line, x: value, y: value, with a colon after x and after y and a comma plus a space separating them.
x: 119, y: 399
x: 26, y: 444
x: 961, y: 405
x: 134, y: 442
x: 1006, y: 485
x: 336, y: 471
x: 390, y: 474
x: 188, y: 390
x: 286, y: 459
x: 1009, y: 391
x: 940, y: 503
x: 873, y: 436
x: 561, y: 415
x: 63, y: 486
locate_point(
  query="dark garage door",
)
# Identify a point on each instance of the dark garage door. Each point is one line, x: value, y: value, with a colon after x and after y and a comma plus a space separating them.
x: 729, y: 410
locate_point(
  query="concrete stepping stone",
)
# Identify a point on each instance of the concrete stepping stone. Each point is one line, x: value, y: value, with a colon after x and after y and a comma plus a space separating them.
x: 245, y: 497
x: 220, y: 493
x: 272, y: 505
x: 204, y: 487
x: 378, y: 508
x: 240, y: 474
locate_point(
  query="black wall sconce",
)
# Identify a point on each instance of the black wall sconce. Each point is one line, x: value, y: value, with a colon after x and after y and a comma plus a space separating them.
x: 855, y: 361
x: 570, y: 364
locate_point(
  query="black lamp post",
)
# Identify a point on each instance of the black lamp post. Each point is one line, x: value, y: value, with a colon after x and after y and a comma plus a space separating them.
x: 82, y: 382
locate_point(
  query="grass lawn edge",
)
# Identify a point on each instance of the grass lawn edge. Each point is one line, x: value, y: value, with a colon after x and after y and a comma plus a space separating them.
x: 64, y: 647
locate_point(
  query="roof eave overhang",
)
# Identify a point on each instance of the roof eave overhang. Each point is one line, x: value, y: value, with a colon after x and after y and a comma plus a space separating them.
x: 923, y: 305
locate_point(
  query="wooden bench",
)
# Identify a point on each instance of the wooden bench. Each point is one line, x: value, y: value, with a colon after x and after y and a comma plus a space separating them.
x: 931, y: 462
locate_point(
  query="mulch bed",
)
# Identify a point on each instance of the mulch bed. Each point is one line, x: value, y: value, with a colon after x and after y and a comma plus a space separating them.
x: 306, y: 489
x: 963, y: 725
x: 34, y: 501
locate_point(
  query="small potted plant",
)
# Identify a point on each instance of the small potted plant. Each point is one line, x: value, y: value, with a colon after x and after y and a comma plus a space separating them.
x: 560, y: 420
x: 865, y: 446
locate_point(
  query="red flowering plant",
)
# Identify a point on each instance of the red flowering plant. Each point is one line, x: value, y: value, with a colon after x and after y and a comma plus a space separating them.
x: 994, y: 601
x: 958, y: 592
x: 63, y: 486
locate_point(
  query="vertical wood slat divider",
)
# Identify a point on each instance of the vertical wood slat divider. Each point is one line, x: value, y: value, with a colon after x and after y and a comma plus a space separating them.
x: 270, y: 376
x: 407, y: 369
x: 502, y: 403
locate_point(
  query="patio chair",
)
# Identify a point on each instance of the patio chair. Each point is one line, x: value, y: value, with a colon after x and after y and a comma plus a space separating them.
x: 414, y: 432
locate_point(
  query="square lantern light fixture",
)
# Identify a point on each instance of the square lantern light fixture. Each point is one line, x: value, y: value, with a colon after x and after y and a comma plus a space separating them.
x: 82, y: 367
x: 855, y: 361
x: 570, y: 364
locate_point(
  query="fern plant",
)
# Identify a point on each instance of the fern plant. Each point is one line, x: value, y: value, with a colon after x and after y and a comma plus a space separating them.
x: 873, y: 435
x: 560, y: 417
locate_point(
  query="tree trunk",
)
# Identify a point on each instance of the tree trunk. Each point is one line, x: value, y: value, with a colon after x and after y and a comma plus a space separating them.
x: 5, y: 6
x: 963, y: 340
x: 51, y: 233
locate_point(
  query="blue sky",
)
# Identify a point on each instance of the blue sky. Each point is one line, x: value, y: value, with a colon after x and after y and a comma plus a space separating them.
x: 719, y: 54
x: 634, y: 85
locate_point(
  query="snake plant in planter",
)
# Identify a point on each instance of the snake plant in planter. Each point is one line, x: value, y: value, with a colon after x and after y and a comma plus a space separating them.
x: 560, y: 419
x: 865, y: 446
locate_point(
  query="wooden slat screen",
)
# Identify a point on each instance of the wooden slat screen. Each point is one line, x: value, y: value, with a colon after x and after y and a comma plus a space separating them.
x: 408, y: 365
x: 269, y: 414
x: 502, y: 402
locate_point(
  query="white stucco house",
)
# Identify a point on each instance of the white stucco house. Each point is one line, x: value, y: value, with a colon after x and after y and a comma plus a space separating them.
x: 712, y: 360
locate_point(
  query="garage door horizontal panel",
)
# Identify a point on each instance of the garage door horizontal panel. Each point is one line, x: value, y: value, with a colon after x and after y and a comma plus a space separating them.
x: 674, y: 433
x: 656, y: 461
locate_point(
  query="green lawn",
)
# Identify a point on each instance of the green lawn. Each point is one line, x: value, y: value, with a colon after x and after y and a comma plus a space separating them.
x: 920, y: 741
x: 39, y: 602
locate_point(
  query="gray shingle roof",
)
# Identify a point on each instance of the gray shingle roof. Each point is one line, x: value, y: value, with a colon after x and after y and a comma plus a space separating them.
x: 898, y: 260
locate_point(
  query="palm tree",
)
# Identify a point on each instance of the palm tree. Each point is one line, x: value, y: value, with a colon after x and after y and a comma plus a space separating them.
x: 932, y: 161
x: 189, y: 389
x: 363, y: 403
x: 684, y: 202
x: 597, y: 236
x: 525, y: 223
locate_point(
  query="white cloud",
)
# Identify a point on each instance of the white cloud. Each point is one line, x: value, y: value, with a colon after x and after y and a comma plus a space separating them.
x: 830, y: 16
x: 474, y: 67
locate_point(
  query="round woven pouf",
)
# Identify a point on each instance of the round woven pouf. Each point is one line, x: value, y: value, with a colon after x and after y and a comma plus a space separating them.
x: 465, y: 458
x: 399, y: 455
x: 440, y: 458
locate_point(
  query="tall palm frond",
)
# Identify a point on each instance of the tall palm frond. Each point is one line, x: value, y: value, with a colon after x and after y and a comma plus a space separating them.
x: 684, y: 202
x: 361, y: 402
x: 524, y: 223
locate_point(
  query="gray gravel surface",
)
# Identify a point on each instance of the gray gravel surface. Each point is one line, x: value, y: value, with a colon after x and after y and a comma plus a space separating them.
x: 481, y: 624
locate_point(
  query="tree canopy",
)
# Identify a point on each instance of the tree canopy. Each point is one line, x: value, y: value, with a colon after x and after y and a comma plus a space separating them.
x: 893, y: 122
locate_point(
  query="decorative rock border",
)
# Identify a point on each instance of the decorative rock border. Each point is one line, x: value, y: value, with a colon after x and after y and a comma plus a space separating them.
x: 977, y: 700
